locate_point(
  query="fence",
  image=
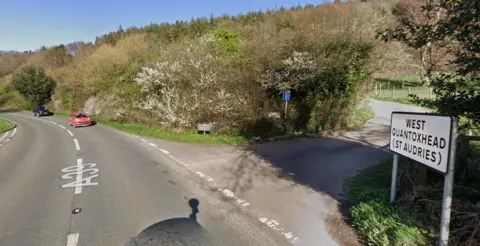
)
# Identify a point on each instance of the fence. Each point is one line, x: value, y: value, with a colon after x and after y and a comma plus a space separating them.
x: 402, y: 91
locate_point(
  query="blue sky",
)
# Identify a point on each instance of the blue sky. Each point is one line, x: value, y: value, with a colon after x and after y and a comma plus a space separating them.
x: 29, y: 24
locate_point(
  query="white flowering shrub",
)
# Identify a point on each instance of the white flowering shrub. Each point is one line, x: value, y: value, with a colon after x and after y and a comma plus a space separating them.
x: 92, y: 106
x: 192, y: 85
x: 292, y: 73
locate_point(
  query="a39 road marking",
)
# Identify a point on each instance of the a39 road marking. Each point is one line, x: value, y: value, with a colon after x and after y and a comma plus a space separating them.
x: 77, y: 173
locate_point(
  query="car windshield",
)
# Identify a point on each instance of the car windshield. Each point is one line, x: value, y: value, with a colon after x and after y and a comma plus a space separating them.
x: 41, y: 108
x: 80, y: 116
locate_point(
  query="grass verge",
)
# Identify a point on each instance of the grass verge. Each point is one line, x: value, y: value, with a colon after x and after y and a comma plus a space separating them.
x: 360, y: 116
x: 187, y: 137
x: 5, y: 125
x: 398, y: 100
x: 376, y: 220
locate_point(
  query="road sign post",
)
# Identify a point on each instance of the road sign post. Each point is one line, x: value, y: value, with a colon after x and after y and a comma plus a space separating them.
x: 393, y: 190
x: 429, y: 139
x: 448, y: 188
x: 286, y: 98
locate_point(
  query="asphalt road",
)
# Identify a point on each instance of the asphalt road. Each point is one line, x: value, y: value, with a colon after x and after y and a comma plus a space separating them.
x: 116, y: 191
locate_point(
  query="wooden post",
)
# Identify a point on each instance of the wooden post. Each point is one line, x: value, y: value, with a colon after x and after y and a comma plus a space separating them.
x: 380, y: 94
x: 409, y: 91
x: 393, y: 92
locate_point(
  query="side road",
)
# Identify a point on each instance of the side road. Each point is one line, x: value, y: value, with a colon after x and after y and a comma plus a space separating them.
x: 294, y: 185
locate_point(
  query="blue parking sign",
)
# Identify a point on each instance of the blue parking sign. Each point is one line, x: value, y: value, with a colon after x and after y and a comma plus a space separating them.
x: 286, y: 96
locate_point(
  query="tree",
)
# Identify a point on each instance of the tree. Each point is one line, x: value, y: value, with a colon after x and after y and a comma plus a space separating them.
x: 457, y: 29
x: 32, y: 83
x: 418, y: 22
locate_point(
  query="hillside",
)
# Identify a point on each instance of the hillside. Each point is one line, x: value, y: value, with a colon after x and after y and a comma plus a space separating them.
x: 228, y: 70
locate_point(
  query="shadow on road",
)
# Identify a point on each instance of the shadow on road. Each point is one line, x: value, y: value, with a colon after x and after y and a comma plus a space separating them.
x: 321, y: 164
x: 175, y: 231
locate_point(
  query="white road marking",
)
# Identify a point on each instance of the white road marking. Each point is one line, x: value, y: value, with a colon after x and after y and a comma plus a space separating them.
x: 164, y: 151
x: 14, y: 132
x: 77, y: 173
x: 228, y: 193
x: 53, y: 122
x: 72, y: 239
x: 70, y: 132
x: 152, y: 144
x: 4, y: 136
x: 144, y: 140
x: 78, y: 189
x: 62, y: 126
x: 77, y: 145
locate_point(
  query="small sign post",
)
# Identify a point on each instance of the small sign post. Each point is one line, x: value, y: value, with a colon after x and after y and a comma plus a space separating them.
x: 429, y: 139
x: 286, y: 98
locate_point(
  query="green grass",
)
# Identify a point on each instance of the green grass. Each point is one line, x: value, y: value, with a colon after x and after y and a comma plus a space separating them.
x: 187, y: 137
x: 360, y: 116
x: 61, y: 113
x: 5, y: 125
x: 412, y: 80
x: 398, y: 100
x: 375, y: 219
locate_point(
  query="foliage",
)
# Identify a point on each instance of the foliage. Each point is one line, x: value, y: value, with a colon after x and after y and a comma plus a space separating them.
x: 378, y: 222
x: 228, y: 40
x: 34, y: 85
x: 457, y: 27
x: 188, y: 86
x: 325, y: 53
x: 5, y: 125
x: 11, y: 99
x: 292, y: 73
x: 382, y: 224
x: 187, y: 136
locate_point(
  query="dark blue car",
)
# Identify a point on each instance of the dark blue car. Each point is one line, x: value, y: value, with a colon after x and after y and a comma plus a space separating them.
x: 41, y: 111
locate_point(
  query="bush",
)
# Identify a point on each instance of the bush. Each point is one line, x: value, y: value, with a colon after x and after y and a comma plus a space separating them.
x: 379, y: 222
x: 383, y: 224
x: 32, y: 83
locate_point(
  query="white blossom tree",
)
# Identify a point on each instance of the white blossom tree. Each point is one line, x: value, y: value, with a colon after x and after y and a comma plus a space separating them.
x: 292, y: 73
x: 190, y: 85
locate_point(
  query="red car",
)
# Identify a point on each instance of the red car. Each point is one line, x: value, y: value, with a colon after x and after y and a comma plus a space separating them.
x: 80, y: 119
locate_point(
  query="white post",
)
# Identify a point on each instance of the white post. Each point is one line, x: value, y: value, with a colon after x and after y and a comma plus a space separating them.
x: 409, y: 91
x: 393, y: 190
x: 380, y: 94
x: 429, y: 93
x: 448, y: 187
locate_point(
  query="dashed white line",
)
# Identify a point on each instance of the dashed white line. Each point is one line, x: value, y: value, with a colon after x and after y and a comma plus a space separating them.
x: 77, y: 145
x: 70, y: 132
x: 78, y: 189
x: 72, y: 239
x: 164, y: 151
x: 62, y: 126
x: 273, y: 224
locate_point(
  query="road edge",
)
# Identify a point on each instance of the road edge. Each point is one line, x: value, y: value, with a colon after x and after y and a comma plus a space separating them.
x: 14, y: 127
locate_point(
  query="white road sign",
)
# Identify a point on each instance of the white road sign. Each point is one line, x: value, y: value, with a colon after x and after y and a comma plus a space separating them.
x: 424, y: 138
